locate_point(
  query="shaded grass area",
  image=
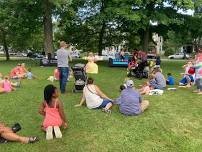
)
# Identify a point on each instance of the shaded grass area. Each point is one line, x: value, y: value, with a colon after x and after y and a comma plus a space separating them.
x: 172, y: 123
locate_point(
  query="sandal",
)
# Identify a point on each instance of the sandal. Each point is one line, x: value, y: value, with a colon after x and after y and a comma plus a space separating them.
x: 33, y: 140
x: 106, y: 111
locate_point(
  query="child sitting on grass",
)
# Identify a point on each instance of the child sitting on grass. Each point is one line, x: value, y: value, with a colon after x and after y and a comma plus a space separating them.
x: 7, y: 85
x: 53, y: 112
x: 148, y: 85
x: 170, y: 80
x: 30, y: 75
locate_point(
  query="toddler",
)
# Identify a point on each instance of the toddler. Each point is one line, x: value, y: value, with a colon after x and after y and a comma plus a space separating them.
x: 30, y: 75
x: 170, y: 79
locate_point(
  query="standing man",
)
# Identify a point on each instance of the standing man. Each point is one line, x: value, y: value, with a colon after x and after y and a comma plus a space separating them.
x: 63, y: 57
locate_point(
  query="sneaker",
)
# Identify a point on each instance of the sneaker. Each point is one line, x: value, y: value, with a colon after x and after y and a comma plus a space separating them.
x: 106, y: 111
x: 57, y: 132
x: 49, y: 133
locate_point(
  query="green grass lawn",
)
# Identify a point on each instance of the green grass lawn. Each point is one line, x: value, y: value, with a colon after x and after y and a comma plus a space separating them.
x: 172, y: 123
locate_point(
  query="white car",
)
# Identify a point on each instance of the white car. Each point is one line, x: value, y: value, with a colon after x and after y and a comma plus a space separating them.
x: 178, y: 56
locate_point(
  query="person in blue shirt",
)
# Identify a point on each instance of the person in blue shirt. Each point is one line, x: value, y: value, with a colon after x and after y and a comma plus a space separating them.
x: 30, y: 75
x: 170, y: 79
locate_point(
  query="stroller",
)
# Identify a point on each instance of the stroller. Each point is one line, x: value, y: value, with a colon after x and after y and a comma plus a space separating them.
x: 80, y: 77
x: 141, y: 71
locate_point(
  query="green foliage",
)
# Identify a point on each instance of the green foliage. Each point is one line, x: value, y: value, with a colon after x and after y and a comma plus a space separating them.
x: 171, y: 124
x: 96, y: 24
x: 169, y: 51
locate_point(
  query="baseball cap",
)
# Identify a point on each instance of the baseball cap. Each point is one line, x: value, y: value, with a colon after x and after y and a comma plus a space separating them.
x: 130, y: 83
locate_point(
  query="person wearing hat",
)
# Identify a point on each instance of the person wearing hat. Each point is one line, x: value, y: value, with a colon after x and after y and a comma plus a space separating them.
x: 63, y: 56
x: 130, y: 101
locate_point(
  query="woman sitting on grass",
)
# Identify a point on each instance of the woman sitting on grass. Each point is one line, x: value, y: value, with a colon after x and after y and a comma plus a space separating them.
x: 95, y: 98
x: 9, y: 135
x: 188, y: 76
x: 160, y: 81
x: 53, y: 112
x: 18, y: 72
x: 130, y: 101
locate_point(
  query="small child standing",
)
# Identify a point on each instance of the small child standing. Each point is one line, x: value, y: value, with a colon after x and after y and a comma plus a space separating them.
x: 53, y: 112
x: 170, y: 80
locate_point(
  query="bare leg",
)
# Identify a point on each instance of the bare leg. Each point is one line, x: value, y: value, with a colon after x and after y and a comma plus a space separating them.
x: 10, y: 136
x: 1, y: 90
x: 108, y: 106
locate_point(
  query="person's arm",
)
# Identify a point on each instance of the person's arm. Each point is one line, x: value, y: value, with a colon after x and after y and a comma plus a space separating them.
x: 82, y: 101
x: 41, y: 109
x: 69, y: 56
x: 101, y: 94
x: 62, y: 114
x: 117, y: 101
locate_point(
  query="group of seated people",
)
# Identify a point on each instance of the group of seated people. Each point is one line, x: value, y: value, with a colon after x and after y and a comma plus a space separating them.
x: 11, y: 82
x: 130, y: 101
x: 193, y: 73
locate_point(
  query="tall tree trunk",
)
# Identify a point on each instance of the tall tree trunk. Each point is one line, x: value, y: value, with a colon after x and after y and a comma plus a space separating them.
x: 48, y: 27
x: 5, y: 46
x: 101, y: 36
x: 146, y: 40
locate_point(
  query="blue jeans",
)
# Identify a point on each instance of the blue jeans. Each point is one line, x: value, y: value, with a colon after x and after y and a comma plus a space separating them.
x: 64, y: 73
x: 186, y: 79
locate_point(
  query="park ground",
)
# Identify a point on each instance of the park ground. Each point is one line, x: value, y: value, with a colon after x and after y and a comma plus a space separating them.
x: 173, y: 122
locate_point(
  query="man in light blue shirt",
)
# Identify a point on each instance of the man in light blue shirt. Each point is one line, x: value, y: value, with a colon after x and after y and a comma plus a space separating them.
x: 63, y: 57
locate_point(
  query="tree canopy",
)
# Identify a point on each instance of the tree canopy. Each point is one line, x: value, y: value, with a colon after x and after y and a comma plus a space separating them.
x: 96, y: 24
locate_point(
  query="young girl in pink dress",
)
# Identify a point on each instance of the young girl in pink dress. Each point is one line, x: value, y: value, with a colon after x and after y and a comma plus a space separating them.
x: 53, y: 112
x: 7, y: 85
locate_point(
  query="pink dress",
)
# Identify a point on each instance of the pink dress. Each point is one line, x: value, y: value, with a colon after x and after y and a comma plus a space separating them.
x: 57, y: 74
x: 7, y: 86
x: 52, y: 116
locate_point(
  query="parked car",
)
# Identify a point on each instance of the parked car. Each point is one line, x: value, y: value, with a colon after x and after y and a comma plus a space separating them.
x: 178, y: 56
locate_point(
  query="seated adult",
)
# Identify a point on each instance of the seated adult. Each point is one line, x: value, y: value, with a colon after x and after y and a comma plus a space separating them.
x: 23, y: 69
x: 18, y: 72
x: 160, y: 81
x: 8, y: 134
x: 188, y: 76
x: 95, y: 98
x: 130, y: 101
x: 91, y: 66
